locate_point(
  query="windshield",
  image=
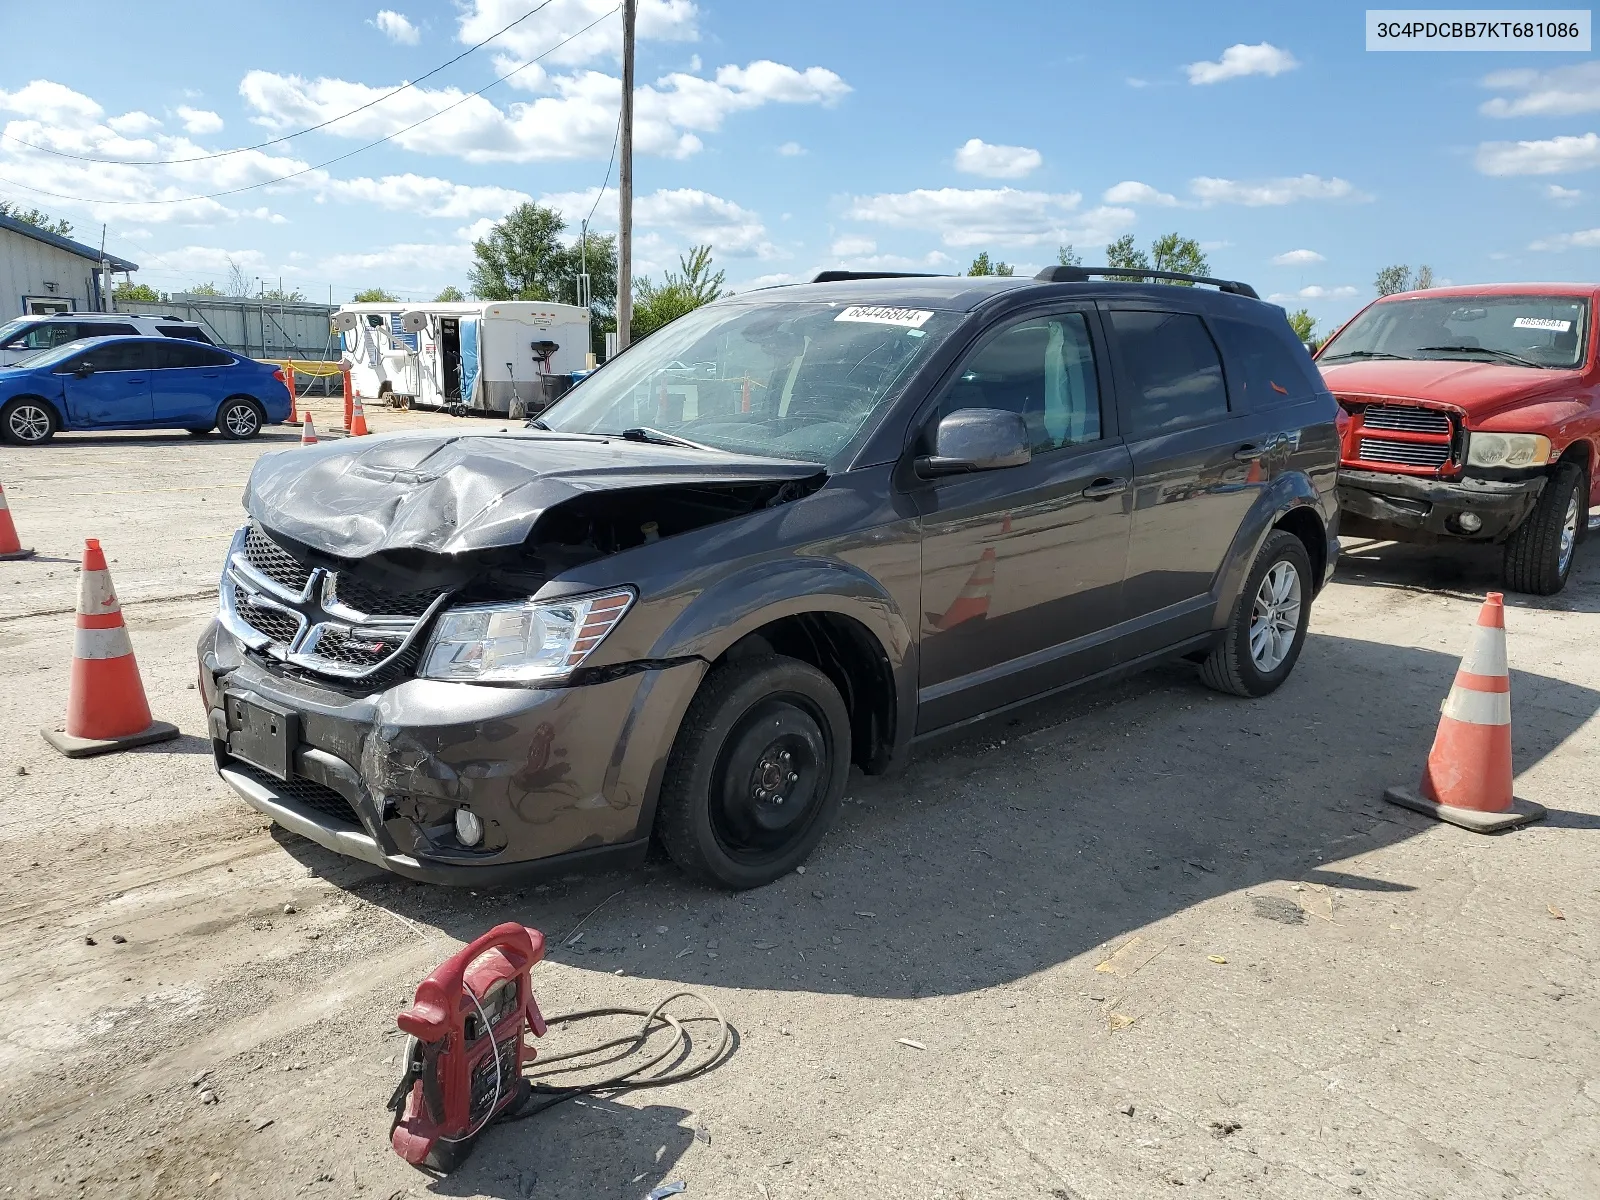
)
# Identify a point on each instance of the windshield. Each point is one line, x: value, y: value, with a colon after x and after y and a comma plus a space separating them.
x: 31, y: 334
x: 1528, y: 331
x: 781, y: 379
x: 50, y: 354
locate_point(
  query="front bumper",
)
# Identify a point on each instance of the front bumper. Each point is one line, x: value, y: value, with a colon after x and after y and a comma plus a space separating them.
x: 1406, y: 508
x: 559, y: 776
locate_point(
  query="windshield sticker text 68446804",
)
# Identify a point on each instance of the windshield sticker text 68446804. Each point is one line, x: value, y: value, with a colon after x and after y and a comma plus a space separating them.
x: 877, y: 314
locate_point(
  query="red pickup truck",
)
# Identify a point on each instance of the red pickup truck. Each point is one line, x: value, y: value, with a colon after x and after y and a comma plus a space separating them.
x: 1472, y: 414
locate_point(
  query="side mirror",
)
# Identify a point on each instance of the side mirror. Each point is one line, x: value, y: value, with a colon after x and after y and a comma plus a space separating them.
x: 1311, y: 348
x: 83, y: 370
x: 977, y: 439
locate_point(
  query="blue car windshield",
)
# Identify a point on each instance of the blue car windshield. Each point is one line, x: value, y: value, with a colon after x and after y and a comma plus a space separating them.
x: 778, y: 378
x: 48, y: 356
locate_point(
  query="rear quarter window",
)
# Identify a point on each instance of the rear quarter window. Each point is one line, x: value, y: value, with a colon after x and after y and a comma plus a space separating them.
x: 188, y: 333
x: 1274, y: 367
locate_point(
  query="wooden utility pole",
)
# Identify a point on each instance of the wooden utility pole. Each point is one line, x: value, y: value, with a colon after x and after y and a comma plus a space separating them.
x: 630, y: 9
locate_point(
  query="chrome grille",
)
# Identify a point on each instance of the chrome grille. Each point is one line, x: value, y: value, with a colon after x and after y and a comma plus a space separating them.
x: 1407, y: 454
x: 321, y: 620
x: 1398, y: 418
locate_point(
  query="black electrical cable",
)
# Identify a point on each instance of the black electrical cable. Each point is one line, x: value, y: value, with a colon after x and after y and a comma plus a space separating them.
x: 545, y: 1096
x: 288, y: 137
x: 317, y: 167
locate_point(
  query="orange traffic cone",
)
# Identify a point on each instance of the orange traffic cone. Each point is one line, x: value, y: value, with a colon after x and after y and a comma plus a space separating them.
x: 294, y: 394
x: 308, y: 431
x: 358, y: 420
x: 973, y: 599
x: 1468, y: 777
x: 349, y: 400
x: 106, y: 708
x: 10, y: 544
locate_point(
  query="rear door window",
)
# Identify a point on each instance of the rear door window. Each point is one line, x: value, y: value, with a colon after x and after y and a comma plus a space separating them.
x: 1275, y: 369
x: 1173, y: 367
x: 89, y: 329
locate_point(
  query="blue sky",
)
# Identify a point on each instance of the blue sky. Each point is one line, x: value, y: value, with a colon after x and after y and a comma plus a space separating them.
x: 794, y: 137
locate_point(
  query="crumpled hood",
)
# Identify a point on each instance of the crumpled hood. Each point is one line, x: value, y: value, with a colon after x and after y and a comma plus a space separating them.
x: 1477, y: 388
x: 453, y: 493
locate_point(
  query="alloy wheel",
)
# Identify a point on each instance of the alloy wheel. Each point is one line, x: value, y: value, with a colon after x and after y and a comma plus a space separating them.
x: 29, y: 423
x: 241, y: 420
x: 1275, y: 617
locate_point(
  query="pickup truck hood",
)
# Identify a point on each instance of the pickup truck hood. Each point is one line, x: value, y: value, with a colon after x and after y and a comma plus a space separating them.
x: 451, y: 494
x: 1479, y: 389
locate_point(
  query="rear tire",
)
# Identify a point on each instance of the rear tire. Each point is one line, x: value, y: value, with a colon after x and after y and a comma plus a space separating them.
x: 1268, y: 627
x: 756, y: 774
x: 1540, y: 551
x: 26, y: 421
x: 240, y: 419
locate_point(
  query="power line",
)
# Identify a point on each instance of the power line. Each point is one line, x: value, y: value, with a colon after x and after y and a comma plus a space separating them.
x: 610, y: 163
x: 288, y: 137
x: 328, y: 163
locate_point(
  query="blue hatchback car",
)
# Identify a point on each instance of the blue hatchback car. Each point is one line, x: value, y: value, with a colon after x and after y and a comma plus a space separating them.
x: 139, y: 383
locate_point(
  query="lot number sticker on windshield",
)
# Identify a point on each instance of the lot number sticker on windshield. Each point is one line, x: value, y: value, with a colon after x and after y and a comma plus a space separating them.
x: 1549, y: 323
x: 873, y: 314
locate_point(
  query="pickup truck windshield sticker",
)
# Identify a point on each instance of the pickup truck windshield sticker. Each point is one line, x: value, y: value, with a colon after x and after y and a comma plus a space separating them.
x: 1549, y: 323
x: 873, y: 314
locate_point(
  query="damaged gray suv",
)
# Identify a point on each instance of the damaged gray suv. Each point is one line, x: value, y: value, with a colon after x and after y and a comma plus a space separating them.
x: 798, y: 529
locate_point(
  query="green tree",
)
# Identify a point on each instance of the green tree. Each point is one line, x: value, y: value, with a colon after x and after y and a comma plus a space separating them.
x: 205, y: 289
x: 1068, y: 257
x: 450, y: 295
x: 1173, y: 252
x: 982, y: 266
x: 278, y: 295
x: 372, y: 295
x: 681, y: 291
x: 1303, y: 323
x: 1123, y: 253
x: 135, y: 291
x: 1398, y: 278
x: 519, y: 258
x: 33, y: 216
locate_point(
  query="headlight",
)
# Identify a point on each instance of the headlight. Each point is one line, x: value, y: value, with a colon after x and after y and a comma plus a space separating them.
x: 1507, y: 450
x: 531, y: 642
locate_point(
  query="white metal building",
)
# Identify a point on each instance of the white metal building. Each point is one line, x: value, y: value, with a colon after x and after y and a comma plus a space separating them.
x: 44, y: 272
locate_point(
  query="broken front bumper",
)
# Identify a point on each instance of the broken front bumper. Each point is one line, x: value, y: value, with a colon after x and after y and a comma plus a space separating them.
x: 558, y: 776
x: 1406, y: 508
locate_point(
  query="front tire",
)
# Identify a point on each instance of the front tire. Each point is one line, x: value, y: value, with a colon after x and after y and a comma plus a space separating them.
x: 1540, y: 551
x: 240, y: 419
x: 1268, y: 628
x: 755, y: 777
x: 27, y: 422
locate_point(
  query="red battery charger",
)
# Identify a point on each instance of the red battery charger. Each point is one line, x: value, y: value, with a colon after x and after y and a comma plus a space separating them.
x: 465, y: 1059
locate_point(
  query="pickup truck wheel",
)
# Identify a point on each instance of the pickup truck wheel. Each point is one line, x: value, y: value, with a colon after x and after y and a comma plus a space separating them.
x: 755, y: 777
x: 1539, y: 552
x: 1263, y: 639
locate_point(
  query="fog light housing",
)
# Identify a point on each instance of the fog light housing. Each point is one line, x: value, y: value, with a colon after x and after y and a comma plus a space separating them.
x: 469, y: 827
x: 1469, y: 522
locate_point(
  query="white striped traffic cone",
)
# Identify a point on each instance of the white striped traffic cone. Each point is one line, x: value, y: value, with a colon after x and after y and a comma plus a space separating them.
x: 10, y: 546
x: 106, y: 706
x: 1468, y: 777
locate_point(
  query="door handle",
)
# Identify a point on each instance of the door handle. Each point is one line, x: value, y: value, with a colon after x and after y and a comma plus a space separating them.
x: 1105, y: 486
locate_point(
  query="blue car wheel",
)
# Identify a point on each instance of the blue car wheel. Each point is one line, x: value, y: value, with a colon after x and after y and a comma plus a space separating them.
x: 239, y: 418
x: 27, y: 422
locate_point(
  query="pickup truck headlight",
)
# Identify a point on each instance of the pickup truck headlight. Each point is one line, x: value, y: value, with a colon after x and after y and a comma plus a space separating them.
x: 1507, y: 450
x: 531, y: 642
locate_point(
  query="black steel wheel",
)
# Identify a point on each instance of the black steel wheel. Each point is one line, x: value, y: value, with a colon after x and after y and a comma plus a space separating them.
x: 239, y: 419
x: 756, y: 774
x: 28, y: 421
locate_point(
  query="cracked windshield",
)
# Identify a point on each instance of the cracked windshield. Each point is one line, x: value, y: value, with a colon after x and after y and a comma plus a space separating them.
x: 784, y: 380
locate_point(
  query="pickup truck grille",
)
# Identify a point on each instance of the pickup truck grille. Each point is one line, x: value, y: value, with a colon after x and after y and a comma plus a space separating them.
x: 321, y: 620
x: 1402, y: 419
x: 1409, y: 454
x: 1406, y: 438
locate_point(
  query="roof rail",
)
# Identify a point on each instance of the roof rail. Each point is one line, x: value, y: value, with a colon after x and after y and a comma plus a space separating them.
x: 1139, y: 274
x: 840, y: 276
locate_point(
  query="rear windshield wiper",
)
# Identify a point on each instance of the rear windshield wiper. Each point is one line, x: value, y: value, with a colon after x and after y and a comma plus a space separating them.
x: 1502, y: 355
x: 1362, y: 354
x: 643, y: 433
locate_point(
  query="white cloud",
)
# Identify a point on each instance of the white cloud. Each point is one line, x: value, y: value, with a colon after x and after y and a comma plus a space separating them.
x: 1131, y: 191
x: 978, y: 157
x: 131, y: 124
x: 1552, y: 156
x: 853, y: 247
x: 1136, y: 83
x: 657, y: 20
x: 932, y: 261
x: 423, y: 260
x: 577, y: 121
x: 1209, y: 190
x: 199, y: 121
x: 1240, y: 60
x: 1558, y: 92
x: 428, y: 196
x: 1562, y: 195
x: 1318, y: 292
x: 777, y: 279
x: 396, y: 27
x: 1583, y: 239
x: 691, y: 216
x: 994, y: 216
x: 1297, y: 258
x: 791, y: 149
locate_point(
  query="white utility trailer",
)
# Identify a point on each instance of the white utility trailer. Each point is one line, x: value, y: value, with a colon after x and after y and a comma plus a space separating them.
x: 507, y: 358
